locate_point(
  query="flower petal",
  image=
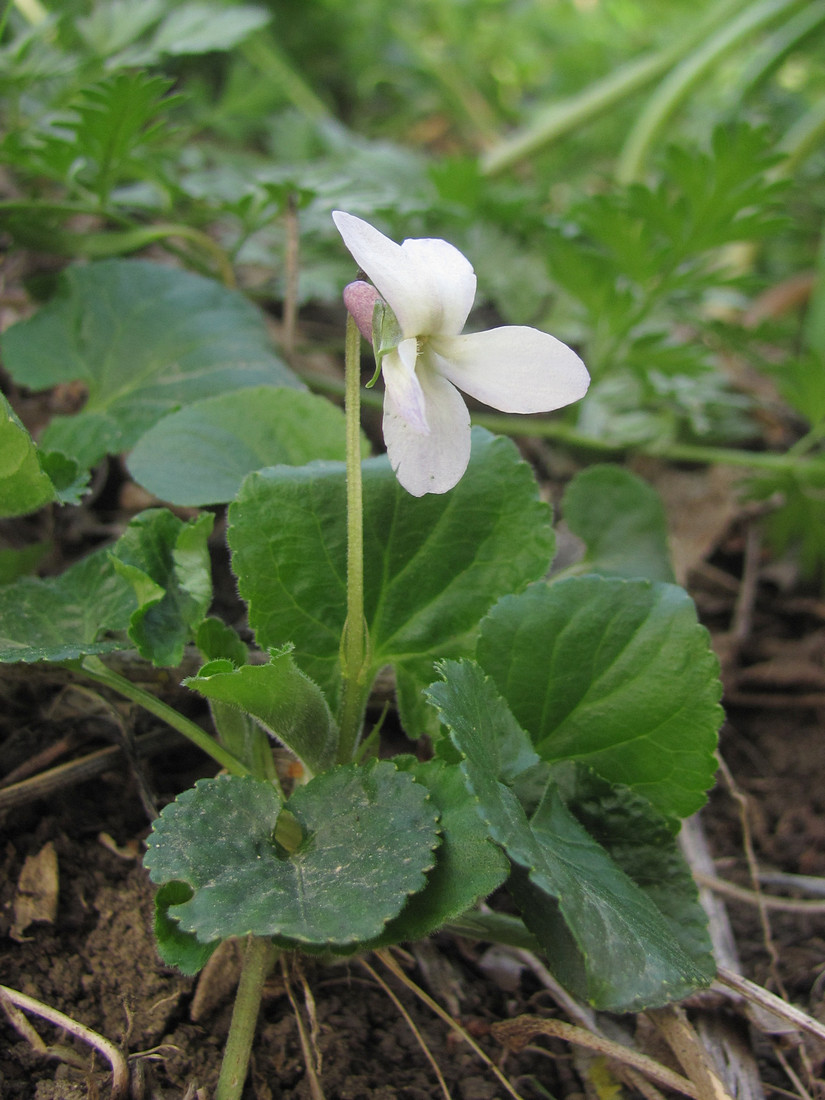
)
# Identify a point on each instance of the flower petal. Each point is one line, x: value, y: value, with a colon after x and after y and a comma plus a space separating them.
x: 428, y: 284
x: 514, y: 369
x: 401, y: 382
x: 431, y: 463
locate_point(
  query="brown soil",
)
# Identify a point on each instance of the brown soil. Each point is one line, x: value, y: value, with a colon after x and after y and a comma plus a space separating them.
x: 92, y: 956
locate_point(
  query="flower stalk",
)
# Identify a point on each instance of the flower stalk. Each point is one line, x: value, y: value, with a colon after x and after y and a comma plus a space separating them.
x: 354, y: 644
x: 259, y: 957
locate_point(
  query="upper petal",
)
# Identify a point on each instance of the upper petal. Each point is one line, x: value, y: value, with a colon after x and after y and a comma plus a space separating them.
x: 431, y: 463
x: 515, y: 369
x: 428, y: 284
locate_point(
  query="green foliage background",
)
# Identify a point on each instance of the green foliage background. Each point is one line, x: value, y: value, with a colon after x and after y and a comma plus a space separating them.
x: 629, y: 175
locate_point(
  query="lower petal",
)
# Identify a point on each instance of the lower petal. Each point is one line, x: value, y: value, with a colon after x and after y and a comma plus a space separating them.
x: 431, y: 463
x: 402, y: 383
x: 515, y: 369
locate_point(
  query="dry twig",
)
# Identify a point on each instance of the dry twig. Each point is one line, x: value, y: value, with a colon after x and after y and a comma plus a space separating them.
x: 119, y: 1065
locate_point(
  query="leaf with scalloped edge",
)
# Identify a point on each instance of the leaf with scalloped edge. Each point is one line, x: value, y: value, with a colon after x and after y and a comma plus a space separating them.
x: 469, y: 866
x: 615, y: 673
x: 176, y: 947
x: 283, y: 699
x: 367, y: 839
x: 432, y: 565
x: 605, y: 939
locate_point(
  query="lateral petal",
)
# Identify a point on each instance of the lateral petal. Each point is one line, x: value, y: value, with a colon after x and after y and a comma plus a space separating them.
x: 515, y: 369
x: 431, y: 463
x: 401, y: 382
x: 428, y: 284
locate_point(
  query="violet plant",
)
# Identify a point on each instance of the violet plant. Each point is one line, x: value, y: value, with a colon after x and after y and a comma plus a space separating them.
x: 572, y: 719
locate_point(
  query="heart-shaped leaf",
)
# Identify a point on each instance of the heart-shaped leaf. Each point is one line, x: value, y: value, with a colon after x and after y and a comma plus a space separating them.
x: 366, y: 841
x: 615, y: 673
x: 432, y: 565
x: 144, y: 339
x: 201, y: 453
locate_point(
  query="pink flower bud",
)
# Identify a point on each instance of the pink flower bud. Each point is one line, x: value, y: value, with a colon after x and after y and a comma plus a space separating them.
x: 360, y: 299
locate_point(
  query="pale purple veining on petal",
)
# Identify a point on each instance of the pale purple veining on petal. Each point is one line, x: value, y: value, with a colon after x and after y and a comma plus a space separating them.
x: 360, y: 298
x: 402, y: 383
x: 431, y: 463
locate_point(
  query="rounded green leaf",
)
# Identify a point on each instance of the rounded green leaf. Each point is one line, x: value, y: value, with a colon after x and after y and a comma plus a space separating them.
x: 368, y: 836
x: 622, y: 522
x: 201, y: 453
x: 469, y: 866
x: 617, y: 674
x: 144, y: 339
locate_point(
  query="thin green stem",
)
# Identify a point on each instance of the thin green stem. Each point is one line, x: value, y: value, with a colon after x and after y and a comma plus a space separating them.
x: 354, y: 641
x: 94, y: 669
x: 568, y: 436
x: 258, y: 960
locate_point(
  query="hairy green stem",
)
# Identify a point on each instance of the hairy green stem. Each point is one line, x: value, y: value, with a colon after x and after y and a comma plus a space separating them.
x: 94, y: 669
x: 354, y: 640
x: 259, y: 957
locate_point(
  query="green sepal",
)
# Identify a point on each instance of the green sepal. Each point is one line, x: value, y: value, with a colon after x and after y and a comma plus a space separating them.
x: 386, y: 336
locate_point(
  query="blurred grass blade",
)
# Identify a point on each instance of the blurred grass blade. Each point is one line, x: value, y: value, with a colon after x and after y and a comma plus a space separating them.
x: 678, y: 85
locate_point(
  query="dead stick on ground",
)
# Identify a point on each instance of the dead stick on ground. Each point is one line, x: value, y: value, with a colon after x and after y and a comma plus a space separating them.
x: 119, y: 1065
x: 517, y: 1033
x: 754, y: 993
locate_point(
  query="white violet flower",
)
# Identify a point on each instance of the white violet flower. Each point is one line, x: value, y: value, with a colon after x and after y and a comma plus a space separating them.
x: 430, y: 286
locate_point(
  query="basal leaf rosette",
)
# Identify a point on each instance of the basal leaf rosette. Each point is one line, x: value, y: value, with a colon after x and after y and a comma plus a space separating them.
x: 366, y: 839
